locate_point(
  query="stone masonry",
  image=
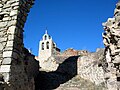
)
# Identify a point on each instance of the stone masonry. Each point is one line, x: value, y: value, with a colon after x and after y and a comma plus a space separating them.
x: 111, y: 39
x: 73, y: 70
x: 52, y: 63
x: 14, y: 71
x: 18, y: 68
x: 47, y: 48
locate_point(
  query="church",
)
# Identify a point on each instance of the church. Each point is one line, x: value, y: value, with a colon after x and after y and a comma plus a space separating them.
x: 47, y: 48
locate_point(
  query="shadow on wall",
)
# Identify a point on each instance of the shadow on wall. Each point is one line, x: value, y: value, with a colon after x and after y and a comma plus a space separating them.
x: 51, y: 80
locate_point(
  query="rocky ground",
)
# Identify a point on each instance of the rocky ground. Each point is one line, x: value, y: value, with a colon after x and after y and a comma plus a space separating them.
x: 78, y: 83
x: 56, y: 81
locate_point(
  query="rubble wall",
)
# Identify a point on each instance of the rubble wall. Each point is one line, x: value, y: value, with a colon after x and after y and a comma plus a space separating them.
x: 111, y: 39
x: 13, y: 75
x: 89, y: 68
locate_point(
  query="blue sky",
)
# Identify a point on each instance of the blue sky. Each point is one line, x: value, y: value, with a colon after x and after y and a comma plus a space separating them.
x: 71, y: 23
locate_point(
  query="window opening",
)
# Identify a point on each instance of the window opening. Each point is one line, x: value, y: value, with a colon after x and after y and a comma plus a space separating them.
x: 42, y: 46
x: 47, y: 45
x: 45, y: 37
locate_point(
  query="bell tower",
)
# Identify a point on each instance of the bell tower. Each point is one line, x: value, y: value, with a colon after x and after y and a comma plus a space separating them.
x: 46, y: 48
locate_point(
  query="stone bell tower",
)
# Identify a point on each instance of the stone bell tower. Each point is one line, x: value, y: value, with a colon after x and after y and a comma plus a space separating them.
x: 13, y: 14
x: 47, y: 48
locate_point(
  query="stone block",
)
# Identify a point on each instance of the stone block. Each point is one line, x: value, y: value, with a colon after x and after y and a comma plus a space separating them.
x: 1, y: 47
x: 14, y: 18
x: 2, y: 33
x: 117, y: 18
x: 1, y: 5
x: 10, y: 37
x: 4, y: 68
x: 116, y: 59
x: 11, y: 29
x: 6, y: 18
x: 117, y: 51
x: 5, y: 13
x: 0, y: 9
x: 6, y: 6
x: 8, y: 49
x: 3, y: 30
x: 6, y: 61
x: 7, y: 54
x: 118, y: 44
x: 3, y: 39
x: 3, y: 24
x: 15, y: 7
x: 12, y: 22
x: 9, y: 43
x: 7, y: 9
x: 15, y: 4
x: 14, y: 12
x: 6, y: 77
x: 11, y: 1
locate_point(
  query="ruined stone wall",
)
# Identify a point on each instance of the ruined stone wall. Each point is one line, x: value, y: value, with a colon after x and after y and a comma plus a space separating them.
x: 83, y: 72
x: 111, y: 39
x: 78, y: 83
x: 70, y: 52
x: 13, y: 14
x: 89, y: 67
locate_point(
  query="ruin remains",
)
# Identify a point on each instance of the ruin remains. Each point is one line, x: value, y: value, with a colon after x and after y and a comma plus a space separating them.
x: 20, y: 71
x: 17, y: 65
x: 111, y: 39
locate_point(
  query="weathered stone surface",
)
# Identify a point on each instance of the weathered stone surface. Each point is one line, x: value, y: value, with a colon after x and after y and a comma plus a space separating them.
x: 16, y: 66
x: 6, y: 61
x: 14, y: 12
x: 6, y: 18
x: 12, y: 22
x: 3, y: 39
x: 9, y: 44
x: 78, y: 83
x: 11, y: 29
x: 15, y: 4
x: 88, y: 68
x: 7, y: 54
x: 6, y: 77
x: 73, y: 72
x: 11, y: 37
x: 1, y: 5
x: 116, y: 59
x: 13, y: 18
x: 4, y: 68
x: 3, y: 24
x: 6, y: 6
x: 111, y: 39
x: 70, y: 64
x: 1, y: 46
